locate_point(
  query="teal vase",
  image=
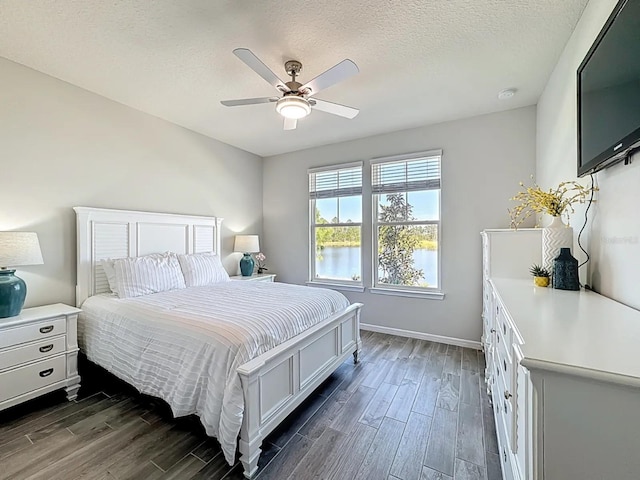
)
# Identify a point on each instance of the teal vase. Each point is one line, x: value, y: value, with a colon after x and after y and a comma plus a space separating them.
x: 246, y: 265
x: 13, y: 291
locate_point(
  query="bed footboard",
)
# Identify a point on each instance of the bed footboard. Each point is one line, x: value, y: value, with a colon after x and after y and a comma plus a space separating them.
x: 275, y: 383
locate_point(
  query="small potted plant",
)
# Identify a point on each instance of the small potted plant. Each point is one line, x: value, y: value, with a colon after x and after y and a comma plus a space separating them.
x: 541, y: 275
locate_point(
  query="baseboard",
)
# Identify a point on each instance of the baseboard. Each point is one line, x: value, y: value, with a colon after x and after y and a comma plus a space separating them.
x: 460, y: 342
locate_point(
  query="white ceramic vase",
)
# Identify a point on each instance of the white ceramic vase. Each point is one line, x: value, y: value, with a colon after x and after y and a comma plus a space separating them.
x: 555, y: 236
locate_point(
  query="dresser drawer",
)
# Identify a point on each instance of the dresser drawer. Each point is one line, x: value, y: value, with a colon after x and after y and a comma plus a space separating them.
x: 503, y: 446
x: 503, y: 327
x: 33, y: 331
x: 488, y: 356
x: 503, y: 417
x: 32, y: 377
x: 505, y: 364
x: 506, y: 410
x: 32, y: 351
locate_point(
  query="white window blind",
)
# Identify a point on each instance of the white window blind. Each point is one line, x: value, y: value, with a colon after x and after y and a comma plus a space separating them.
x: 344, y: 182
x: 406, y: 175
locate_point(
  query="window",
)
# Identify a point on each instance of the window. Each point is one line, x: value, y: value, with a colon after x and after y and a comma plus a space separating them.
x: 335, y: 198
x: 406, y: 221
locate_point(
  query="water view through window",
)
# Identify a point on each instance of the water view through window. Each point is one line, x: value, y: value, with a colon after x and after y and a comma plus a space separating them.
x: 344, y: 263
x: 338, y: 255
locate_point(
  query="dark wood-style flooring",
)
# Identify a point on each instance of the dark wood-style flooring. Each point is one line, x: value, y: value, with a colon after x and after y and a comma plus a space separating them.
x: 410, y: 410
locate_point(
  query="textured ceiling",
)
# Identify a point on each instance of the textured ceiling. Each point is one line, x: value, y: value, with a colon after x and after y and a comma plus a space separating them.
x: 421, y: 61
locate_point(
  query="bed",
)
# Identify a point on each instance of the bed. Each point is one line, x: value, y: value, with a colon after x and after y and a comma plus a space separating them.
x: 181, y: 345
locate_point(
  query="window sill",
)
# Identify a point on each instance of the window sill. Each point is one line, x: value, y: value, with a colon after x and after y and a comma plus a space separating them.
x: 337, y: 286
x: 407, y: 293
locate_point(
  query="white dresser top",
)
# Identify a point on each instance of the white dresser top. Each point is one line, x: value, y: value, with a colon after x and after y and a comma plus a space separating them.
x: 581, y: 333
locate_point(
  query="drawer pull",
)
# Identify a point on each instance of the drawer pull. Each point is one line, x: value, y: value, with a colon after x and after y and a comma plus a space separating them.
x: 505, y: 365
x: 504, y: 327
x: 46, y: 348
x: 507, y: 395
x: 46, y: 373
x: 47, y: 329
x: 493, y: 330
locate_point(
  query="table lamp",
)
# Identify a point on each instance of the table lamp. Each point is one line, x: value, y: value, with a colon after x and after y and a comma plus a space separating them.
x: 247, y: 244
x: 16, y: 249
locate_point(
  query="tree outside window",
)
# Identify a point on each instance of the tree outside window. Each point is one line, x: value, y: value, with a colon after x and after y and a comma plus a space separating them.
x: 406, y: 200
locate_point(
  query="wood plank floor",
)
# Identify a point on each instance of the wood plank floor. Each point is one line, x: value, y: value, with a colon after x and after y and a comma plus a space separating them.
x: 410, y: 410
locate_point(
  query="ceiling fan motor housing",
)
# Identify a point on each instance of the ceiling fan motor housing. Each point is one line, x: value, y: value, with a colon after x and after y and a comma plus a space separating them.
x: 294, y: 88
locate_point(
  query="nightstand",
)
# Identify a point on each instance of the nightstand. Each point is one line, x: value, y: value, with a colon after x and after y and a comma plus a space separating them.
x: 38, y: 354
x: 258, y: 277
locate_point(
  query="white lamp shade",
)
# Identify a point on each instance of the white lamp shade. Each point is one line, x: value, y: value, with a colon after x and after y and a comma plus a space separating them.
x: 19, y: 248
x: 247, y: 244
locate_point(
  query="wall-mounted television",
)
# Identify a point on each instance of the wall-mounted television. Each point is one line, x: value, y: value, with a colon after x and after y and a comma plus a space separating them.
x: 609, y: 92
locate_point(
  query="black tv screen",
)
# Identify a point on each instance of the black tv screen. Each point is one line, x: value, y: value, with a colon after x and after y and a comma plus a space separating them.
x: 609, y: 92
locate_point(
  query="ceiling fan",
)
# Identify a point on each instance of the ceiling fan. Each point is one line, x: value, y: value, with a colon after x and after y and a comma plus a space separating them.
x: 297, y: 100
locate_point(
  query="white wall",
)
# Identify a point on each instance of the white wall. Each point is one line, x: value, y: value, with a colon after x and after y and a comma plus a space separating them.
x: 613, y: 233
x: 62, y: 146
x: 483, y: 160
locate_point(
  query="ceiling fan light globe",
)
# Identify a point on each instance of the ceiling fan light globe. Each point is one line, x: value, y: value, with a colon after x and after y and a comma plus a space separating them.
x: 293, y: 107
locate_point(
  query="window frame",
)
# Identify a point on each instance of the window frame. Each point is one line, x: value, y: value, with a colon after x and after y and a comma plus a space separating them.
x: 404, y: 290
x: 355, y: 285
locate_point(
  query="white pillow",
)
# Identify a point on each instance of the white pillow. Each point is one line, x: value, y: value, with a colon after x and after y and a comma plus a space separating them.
x: 110, y: 272
x: 200, y: 269
x: 138, y: 276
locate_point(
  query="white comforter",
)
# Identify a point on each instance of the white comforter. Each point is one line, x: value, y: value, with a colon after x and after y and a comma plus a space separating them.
x: 184, y: 346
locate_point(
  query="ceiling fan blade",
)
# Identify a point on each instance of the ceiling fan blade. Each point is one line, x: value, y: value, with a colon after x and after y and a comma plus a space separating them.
x: 248, y: 101
x: 334, y: 108
x: 290, y: 123
x: 260, y: 68
x: 335, y: 74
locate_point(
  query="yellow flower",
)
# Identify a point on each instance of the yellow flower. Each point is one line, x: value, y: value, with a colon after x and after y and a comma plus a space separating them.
x: 555, y: 202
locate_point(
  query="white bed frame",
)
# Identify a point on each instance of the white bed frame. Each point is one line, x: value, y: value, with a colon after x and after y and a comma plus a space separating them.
x: 274, y: 383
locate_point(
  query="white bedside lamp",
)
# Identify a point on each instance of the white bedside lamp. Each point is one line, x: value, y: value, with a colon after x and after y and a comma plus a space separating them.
x: 247, y: 244
x: 16, y: 249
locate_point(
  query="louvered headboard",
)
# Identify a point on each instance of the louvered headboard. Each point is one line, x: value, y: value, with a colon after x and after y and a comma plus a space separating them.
x: 104, y: 233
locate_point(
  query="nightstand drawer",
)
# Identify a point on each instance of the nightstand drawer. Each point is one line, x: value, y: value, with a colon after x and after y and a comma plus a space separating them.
x: 34, y: 331
x: 32, y: 377
x: 31, y: 351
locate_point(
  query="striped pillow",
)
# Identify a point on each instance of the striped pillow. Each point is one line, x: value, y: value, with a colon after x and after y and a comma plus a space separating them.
x: 200, y: 269
x: 155, y: 273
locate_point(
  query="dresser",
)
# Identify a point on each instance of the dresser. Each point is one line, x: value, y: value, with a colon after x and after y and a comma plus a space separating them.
x: 563, y: 371
x: 38, y: 354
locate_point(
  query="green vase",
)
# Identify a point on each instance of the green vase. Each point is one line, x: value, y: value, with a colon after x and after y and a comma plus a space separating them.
x: 246, y: 265
x: 13, y: 291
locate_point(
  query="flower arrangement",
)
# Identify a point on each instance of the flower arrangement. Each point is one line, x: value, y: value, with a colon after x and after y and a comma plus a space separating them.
x: 260, y: 258
x: 555, y: 202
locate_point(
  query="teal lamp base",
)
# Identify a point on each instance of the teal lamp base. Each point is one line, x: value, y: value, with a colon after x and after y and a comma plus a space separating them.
x: 246, y: 265
x: 13, y: 291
